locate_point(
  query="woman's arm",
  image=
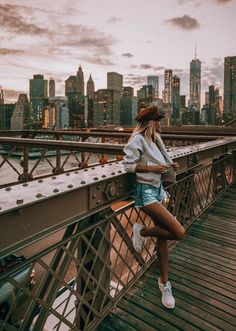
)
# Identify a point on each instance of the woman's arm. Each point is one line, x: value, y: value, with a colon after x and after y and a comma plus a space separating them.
x: 158, y: 169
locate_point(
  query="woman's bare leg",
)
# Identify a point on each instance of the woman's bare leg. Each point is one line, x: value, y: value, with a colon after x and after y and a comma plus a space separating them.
x: 172, y: 230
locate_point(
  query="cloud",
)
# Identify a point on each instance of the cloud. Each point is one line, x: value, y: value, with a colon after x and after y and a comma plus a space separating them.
x: 213, y: 74
x: 13, y: 22
x: 222, y: 2
x: 11, y: 95
x: 9, y: 51
x: 146, y: 67
x: 96, y: 59
x: 185, y: 22
x: 135, y: 80
x: 114, y: 19
x: 127, y: 55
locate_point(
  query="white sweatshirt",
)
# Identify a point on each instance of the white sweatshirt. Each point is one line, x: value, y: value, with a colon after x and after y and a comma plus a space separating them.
x: 140, y: 151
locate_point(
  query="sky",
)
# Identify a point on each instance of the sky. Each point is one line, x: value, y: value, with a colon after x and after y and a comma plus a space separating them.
x: 135, y: 38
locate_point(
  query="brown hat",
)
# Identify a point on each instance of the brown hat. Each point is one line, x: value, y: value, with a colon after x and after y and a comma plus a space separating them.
x: 149, y: 114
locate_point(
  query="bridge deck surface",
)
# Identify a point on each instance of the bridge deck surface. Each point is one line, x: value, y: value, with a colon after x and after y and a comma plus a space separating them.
x: 203, y: 276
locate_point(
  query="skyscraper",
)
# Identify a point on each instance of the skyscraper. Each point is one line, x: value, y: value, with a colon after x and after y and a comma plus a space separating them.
x: 230, y: 84
x: 195, y: 85
x: 114, y: 81
x: 175, y: 98
x: 21, y: 115
x: 80, y: 81
x: 167, y: 93
x: 1, y: 97
x: 154, y: 81
x: 90, y: 88
x: 38, y: 94
x: 115, y: 84
x: 52, y: 90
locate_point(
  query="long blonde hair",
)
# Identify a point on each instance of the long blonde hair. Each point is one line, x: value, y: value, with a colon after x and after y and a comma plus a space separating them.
x: 148, y: 129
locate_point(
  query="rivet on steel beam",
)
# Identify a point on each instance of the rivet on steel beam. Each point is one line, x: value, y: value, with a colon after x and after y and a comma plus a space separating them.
x: 67, y: 174
x: 116, y: 181
x: 85, y: 169
x: 76, y: 172
x: 82, y: 182
x: 8, y: 189
x: 98, y: 187
x: 25, y: 184
x: 95, y: 178
x: 119, y: 172
x: 39, y: 195
x: 120, y: 185
x: 102, y: 166
x: 54, y: 177
x: 19, y: 201
x: 93, y: 168
x: 113, y: 173
x: 94, y: 195
x: 109, y: 164
x: 40, y: 180
x: 103, y: 176
x: 99, y: 201
x: 70, y: 186
x: 117, y: 193
x: 55, y: 190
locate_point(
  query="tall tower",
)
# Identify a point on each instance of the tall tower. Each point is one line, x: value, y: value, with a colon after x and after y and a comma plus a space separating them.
x: 38, y: 94
x: 1, y: 97
x: 114, y: 81
x: 195, y: 84
x: 230, y: 84
x: 176, y: 97
x: 167, y: 95
x: 80, y: 81
x: 52, y: 90
x: 90, y: 88
x: 154, y: 81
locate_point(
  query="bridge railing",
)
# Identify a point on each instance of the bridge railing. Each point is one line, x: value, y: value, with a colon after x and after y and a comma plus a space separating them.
x: 84, y: 265
x: 30, y: 155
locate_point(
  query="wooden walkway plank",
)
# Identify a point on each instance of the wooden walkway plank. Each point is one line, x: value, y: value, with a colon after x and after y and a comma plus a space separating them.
x: 186, y: 302
x: 203, y: 276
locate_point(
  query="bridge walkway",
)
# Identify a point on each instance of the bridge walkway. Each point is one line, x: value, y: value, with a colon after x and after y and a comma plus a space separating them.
x: 203, y: 276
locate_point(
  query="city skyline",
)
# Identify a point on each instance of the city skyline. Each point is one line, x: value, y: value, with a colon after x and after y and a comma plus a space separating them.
x: 132, y: 39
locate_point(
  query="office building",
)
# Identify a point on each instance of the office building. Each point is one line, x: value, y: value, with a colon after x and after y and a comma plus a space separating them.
x: 74, y: 91
x: 175, y: 99
x: 114, y: 81
x: 56, y: 115
x: 38, y: 98
x: 1, y: 97
x: 195, y: 85
x: 146, y: 96
x: 230, y: 84
x: 52, y: 88
x: 80, y: 81
x: 128, y: 91
x: 115, y: 84
x: 154, y: 81
x: 6, y: 111
x: 90, y: 88
x: 167, y: 93
x: 21, y: 116
x: 129, y: 109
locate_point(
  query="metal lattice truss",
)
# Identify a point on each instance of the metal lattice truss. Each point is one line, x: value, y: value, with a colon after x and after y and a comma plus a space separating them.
x: 83, y: 269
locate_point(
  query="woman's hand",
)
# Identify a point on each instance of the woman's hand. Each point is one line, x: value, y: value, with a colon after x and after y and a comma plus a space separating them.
x: 159, y: 169
x: 176, y: 166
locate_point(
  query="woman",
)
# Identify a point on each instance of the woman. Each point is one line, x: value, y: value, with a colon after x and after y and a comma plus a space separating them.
x: 146, y: 156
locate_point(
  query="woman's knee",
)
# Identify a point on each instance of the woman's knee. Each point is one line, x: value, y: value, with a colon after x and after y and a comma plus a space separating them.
x: 180, y: 233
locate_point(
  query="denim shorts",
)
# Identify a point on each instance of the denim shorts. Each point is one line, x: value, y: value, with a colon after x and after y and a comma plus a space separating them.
x: 146, y: 194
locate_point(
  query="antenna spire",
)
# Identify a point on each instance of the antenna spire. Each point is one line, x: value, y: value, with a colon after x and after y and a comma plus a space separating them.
x: 195, y: 54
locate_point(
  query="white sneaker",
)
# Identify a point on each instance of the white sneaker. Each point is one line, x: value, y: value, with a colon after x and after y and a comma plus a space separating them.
x: 167, y: 298
x: 137, y: 239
